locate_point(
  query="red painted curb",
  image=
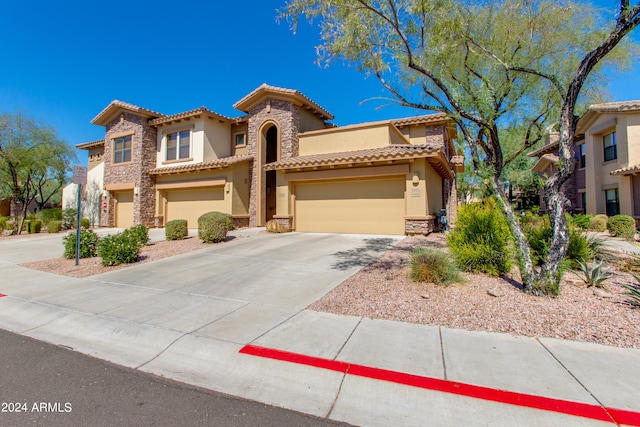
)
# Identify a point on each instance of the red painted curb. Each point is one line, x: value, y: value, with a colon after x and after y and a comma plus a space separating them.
x: 578, y: 409
x: 3, y: 295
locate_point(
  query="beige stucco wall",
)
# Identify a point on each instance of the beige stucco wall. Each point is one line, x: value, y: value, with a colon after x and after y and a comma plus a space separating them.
x: 235, y: 129
x: 217, y: 140
x: 350, y: 138
x: 240, y: 189
x: 310, y: 122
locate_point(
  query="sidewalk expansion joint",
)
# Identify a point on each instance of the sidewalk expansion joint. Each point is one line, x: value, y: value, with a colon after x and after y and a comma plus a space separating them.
x: 578, y: 409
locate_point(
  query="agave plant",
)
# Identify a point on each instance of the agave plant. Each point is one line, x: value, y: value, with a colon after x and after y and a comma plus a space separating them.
x: 634, y: 291
x: 593, y: 274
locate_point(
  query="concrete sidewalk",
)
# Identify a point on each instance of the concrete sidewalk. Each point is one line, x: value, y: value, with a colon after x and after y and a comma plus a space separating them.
x: 191, y: 317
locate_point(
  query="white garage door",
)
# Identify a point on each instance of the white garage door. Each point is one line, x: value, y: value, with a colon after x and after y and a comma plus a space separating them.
x: 124, y: 209
x: 190, y: 204
x: 369, y: 207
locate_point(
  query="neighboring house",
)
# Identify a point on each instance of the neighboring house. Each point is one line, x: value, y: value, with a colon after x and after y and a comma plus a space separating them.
x: 607, y: 149
x: 281, y: 161
x: 91, y: 192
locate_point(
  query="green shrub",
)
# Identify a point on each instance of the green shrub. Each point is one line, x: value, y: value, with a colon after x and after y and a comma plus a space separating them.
x: 54, y: 226
x: 89, y: 242
x: 539, y: 237
x: 118, y: 249
x: 34, y: 226
x: 582, y: 221
x: 9, y: 225
x: 622, y: 226
x: 213, y: 227
x: 51, y: 214
x: 434, y: 266
x: 139, y: 234
x: 598, y: 223
x: 85, y: 223
x: 579, y: 249
x: 3, y: 222
x: 480, y: 242
x: 176, y: 229
x: 69, y: 218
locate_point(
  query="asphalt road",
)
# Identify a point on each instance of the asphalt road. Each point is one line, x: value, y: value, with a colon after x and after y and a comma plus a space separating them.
x: 43, y: 384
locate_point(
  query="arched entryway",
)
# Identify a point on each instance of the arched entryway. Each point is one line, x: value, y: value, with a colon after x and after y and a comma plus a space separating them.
x: 270, y: 153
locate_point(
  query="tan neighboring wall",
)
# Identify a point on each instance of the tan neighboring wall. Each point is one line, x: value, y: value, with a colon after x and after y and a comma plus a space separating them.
x: 239, y: 128
x: 216, y: 140
x: 310, y: 122
x: 350, y: 138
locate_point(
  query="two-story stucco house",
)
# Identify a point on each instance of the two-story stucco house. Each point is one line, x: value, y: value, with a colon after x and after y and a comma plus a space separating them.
x: 282, y: 160
x: 607, y: 146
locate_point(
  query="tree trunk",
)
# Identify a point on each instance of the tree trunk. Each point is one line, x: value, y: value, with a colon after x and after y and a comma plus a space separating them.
x: 523, y: 249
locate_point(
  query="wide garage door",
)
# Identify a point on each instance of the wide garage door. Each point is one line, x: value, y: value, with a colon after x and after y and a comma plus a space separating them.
x: 373, y: 207
x: 124, y: 209
x: 190, y: 204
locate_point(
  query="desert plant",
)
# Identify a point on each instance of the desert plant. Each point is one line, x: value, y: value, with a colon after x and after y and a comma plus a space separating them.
x: 598, y: 248
x: 578, y: 250
x: 34, y: 226
x: 622, y: 226
x: 213, y: 227
x: 89, y: 241
x: 274, y: 226
x: 118, y: 249
x: 582, y: 221
x: 9, y: 225
x: 54, y: 226
x: 69, y: 218
x: 3, y: 223
x: 593, y: 274
x: 176, y: 229
x: 598, y: 224
x: 139, y: 234
x: 634, y: 291
x: 480, y: 242
x: 50, y: 214
x: 85, y: 223
x: 434, y: 266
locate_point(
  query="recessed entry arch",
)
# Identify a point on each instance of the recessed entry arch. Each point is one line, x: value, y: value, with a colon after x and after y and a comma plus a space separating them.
x: 269, y: 149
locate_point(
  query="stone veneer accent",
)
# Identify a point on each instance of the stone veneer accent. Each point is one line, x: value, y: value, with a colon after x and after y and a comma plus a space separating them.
x: 287, y: 118
x: 434, y: 135
x: 143, y: 158
x: 420, y: 226
x: 240, y: 222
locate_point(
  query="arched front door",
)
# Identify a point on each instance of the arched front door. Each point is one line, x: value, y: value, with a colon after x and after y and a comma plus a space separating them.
x: 270, y: 155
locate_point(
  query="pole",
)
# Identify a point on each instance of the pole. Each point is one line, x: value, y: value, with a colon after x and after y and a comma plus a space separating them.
x: 78, y: 224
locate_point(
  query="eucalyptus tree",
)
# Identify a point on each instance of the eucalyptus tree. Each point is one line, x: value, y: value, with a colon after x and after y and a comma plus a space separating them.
x: 488, y: 65
x: 34, y: 162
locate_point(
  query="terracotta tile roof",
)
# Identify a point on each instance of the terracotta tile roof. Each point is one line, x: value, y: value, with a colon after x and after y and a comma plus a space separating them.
x: 420, y: 120
x: 548, y: 148
x: 246, y: 103
x: 545, y: 161
x: 616, y: 106
x: 92, y: 144
x: 629, y: 170
x: 391, y: 152
x: 194, y: 167
x: 102, y: 117
x: 188, y: 114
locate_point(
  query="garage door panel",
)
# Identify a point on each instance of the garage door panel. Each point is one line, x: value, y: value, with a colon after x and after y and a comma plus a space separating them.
x: 190, y: 204
x: 124, y: 209
x: 375, y: 206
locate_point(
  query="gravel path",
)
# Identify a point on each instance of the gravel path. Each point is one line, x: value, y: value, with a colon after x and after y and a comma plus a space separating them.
x: 383, y: 290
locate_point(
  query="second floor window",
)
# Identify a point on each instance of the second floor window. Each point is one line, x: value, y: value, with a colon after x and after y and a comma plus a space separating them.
x: 122, y: 149
x: 610, y: 147
x: 178, y: 145
x: 583, y: 156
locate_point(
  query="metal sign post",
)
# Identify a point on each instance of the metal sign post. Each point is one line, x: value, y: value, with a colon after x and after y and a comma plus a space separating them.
x: 80, y: 179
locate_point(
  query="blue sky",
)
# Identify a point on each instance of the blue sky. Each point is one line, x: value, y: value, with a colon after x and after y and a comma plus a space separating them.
x: 63, y: 62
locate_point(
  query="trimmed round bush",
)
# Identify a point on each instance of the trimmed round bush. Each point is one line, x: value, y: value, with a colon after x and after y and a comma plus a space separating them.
x: 3, y: 222
x: 85, y: 223
x: 434, y: 266
x: 622, y: 226
x: 480, y: 242
x: 176, y: 229
x: 34, y: 226
x: 598, y: 224
x: 88, y: 244
x: 118, y: 249
x: 54, y: 226
x: 9, y: 225
x: 213, y: 227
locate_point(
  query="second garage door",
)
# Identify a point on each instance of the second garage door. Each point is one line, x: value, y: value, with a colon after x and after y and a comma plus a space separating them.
x: 190, y: 204
x: 371, y: 207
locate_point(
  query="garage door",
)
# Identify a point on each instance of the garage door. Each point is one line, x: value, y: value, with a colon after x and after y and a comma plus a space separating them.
x: 374, y: 207
x: 190, y: 204
x: 124, y: 209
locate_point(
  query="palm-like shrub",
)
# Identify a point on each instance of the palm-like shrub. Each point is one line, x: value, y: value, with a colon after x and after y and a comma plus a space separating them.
x: 481, y: 240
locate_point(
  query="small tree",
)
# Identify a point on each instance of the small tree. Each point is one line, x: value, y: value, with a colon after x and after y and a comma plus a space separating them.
x: 34, y: 162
